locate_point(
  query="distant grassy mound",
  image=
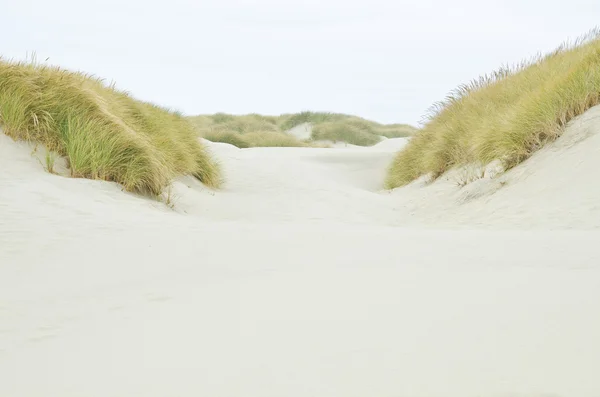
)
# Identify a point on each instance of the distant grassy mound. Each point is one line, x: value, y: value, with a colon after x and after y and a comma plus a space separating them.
x: 507, y: 115
x: 256, y: 130
x: 245, y: 131
x: 289, y: 121
x: 103, y: 133
x: 349, y: 131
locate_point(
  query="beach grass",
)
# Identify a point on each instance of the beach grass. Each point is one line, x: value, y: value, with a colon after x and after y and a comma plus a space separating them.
x: 244, y: 131
x: 253, y: 130
x: 102, y: 132
x: 506, y: 115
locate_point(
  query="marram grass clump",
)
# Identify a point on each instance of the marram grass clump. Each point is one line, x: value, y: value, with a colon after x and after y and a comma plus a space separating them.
x: 288, y: 121
x: 348, y: 131
x: 103, y: 133
x: 505, y: 116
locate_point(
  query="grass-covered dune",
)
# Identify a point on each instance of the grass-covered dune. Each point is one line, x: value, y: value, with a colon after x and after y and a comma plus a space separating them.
x: 506, y: 115
x: 256, y: 130
x: 251, y: 130
x: 103, y: 133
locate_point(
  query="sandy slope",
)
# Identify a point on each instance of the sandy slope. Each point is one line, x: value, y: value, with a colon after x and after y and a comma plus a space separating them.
x: 300, y: 278
x: 301, y: 131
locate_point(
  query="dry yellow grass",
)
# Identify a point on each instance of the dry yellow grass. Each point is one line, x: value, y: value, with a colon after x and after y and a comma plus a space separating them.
x: 507, y: 115
x: 104, y: 133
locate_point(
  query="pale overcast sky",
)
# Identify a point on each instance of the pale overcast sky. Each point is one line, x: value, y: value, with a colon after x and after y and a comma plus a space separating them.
x: 381, y: 59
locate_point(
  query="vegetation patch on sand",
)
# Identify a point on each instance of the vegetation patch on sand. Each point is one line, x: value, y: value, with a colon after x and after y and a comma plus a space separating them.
x: 506, y: 115
x: 245, y: 131
x: 257, y: 130
x: 103, y: 133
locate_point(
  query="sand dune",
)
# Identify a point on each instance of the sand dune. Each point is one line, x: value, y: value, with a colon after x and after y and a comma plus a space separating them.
x: 302, y: 277
x: 552, y: 190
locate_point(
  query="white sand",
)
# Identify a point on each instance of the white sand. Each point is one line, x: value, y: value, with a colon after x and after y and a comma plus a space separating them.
x: 301, y: 131
x: 301, y: 278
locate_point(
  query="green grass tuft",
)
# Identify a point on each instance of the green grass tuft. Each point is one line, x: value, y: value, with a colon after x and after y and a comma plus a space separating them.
x: 350, y: 131
x: 289, y: 121
x: 506, y: 115
x: 358, y: 131
x: 104, y: 134
x: 272, y: 139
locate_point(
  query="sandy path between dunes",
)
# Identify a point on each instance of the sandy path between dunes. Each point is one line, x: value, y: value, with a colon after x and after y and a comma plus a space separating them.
x: 302, y: 311
x: 300, y: 278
